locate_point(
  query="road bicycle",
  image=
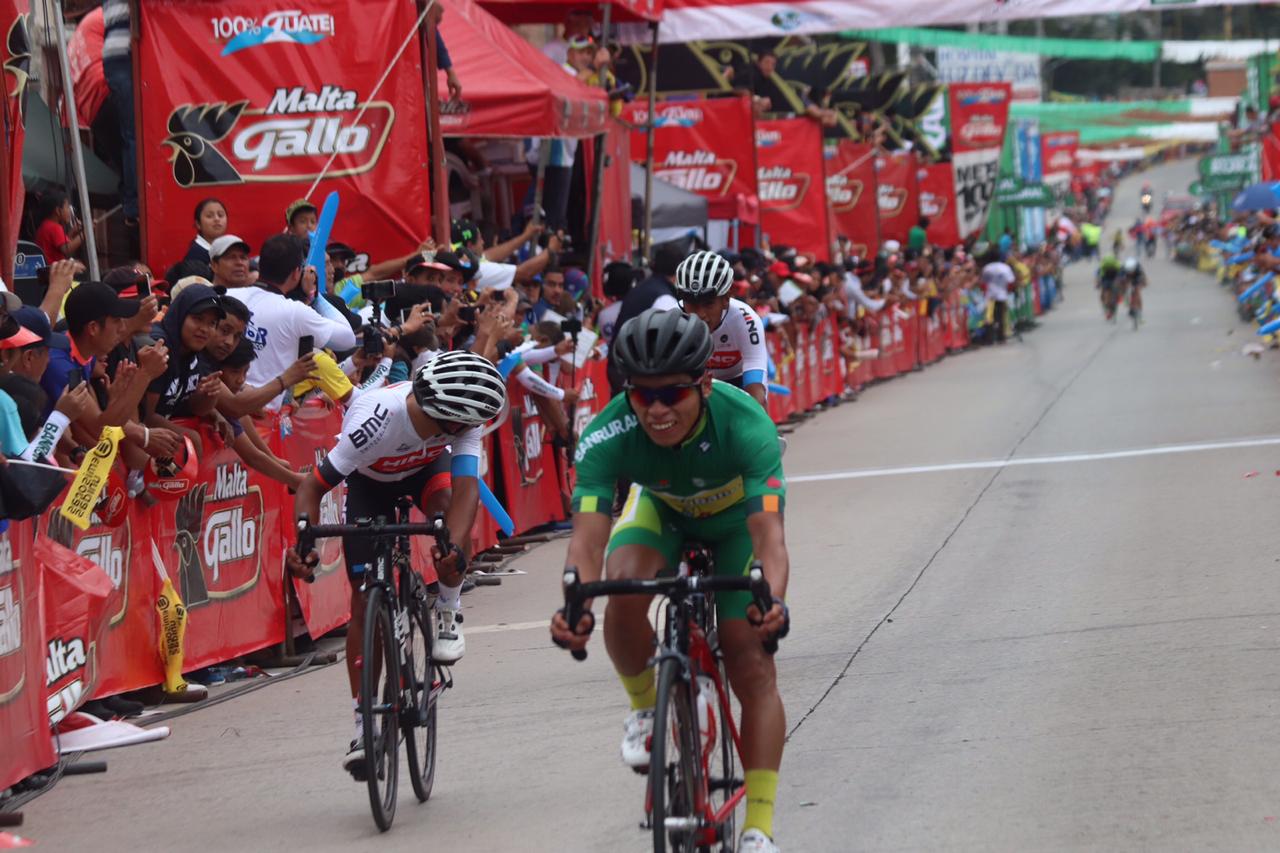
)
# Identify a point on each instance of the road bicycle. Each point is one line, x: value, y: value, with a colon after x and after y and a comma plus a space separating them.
x: 693, y: 790
x: 400, y: 684
x: 1134, y: 298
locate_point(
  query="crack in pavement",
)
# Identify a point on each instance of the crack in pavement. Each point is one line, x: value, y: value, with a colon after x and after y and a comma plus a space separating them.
x: 947, y: 540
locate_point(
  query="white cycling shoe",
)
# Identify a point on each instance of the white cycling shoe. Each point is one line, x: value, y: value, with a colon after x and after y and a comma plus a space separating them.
x: 755, y: 841
x: 450, y: 645
x: 637, y: 731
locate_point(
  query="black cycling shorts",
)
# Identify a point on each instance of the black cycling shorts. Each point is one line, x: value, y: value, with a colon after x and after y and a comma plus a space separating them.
x: 369, y: 498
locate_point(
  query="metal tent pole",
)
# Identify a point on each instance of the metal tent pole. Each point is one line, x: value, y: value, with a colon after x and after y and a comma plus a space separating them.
x: 646, y: 237
x: 597, y: 177
x: 77, y: 152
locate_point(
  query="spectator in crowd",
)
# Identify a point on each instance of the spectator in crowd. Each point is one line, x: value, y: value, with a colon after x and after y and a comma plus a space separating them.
x: 229, y: 261
x: 757, y: 80
x: 346, y: 284
x: 656, y: 291
x: 186, y: 330
x: 211, y: 223
x: 577, y: 25
x: 918, y: 236
x: 492, y: 272
x: 817, y: 106
x: 997, y: 279
x: 60, y: 235
x: 301, y: 218
x: 117, y: 67
x: 30, y: 359
x: 280, y: 323
x: 233, y: 372
x: 619, y: 278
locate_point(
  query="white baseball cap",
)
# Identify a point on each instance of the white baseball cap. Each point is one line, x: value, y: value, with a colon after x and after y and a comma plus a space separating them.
x: 225, y: 243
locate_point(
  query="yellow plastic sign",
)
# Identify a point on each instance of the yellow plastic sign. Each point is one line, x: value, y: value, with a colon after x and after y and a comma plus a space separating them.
x: 91, y: 477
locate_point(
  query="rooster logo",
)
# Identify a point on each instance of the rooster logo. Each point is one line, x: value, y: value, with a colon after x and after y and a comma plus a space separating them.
x: 193, y: 130
x: 18, y: 46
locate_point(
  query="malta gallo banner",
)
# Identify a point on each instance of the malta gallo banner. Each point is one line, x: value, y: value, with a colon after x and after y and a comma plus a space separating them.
x: 938, y: 202
x: 897, y: 194
x: 852, y: 196
x: 793, y: 200
x: 1058, y: 156
x: 15, y: 60
x: 23, y: 715
x: 706, y: 147
x: 250, y: 104
x: 979, y: 116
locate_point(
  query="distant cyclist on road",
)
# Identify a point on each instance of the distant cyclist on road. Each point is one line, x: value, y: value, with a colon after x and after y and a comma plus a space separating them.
x: 421, y: 440
x: 1132, y: 280
x: 739, y: 357
x: 705, y: 463
x: 1108, y: 283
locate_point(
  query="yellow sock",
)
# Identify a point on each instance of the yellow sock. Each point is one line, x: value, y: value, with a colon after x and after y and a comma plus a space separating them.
x: 642, y: 688
x: 762, y: 788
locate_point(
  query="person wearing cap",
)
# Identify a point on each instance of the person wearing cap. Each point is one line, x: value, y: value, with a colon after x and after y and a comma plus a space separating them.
x: 577, y: 24
x: 279, y: 323
x: 25, y: 430
x: 301, y: 218
x: 346, y: 285
x: 493, y: 272
x: 96, y: 322
x: 229, y: 260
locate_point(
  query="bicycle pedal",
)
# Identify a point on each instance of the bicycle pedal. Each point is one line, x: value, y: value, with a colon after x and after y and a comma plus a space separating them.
x: 641, y: 771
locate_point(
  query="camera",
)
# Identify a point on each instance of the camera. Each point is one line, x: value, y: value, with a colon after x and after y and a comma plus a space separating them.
x: 372, y: 344
x: 378, y: 291
x: 467, y: 313
x: 571, y: 326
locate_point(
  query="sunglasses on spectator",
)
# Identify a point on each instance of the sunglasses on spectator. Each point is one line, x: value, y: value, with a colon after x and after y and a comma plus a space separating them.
x: 667, y: 395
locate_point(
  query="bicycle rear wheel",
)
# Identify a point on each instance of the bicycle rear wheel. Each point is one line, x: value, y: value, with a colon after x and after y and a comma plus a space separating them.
x: 420, y: 738
x: 379, y: 707
x: 674, y: 763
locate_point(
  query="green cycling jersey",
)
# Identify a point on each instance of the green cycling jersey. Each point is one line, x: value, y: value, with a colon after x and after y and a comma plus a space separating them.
x: 731, y: 459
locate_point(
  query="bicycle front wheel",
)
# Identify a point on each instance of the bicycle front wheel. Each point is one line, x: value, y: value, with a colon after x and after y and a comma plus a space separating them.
x: 674, y: 763
x: 420, y: 738
x: 380, y: 707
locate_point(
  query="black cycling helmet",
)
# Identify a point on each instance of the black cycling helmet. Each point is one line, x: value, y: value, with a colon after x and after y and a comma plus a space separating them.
x: 659, y: 343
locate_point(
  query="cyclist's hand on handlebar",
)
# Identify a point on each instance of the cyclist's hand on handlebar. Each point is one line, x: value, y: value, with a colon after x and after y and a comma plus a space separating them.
x: 299, y: 567
x: 775, y: 624
x: 577, y: 639
x: 451, y: 563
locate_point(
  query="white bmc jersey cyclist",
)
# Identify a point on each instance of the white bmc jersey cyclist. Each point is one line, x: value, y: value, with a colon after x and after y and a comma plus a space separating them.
x: 740, y: 356
x: 379, y: 441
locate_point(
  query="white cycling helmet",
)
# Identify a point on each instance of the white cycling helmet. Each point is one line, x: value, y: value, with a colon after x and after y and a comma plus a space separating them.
x: 1130, y: 265
x: 460, y: 387
x: 704, y: 274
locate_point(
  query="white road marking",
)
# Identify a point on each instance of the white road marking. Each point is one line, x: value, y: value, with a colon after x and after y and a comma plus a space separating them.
x: 1160, y: 450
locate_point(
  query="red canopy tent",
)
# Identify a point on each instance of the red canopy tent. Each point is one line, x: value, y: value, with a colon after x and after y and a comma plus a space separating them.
x: 508, y: 87
x: 554, y: 11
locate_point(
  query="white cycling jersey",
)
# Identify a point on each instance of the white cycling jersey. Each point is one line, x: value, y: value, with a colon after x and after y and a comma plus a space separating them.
x: 739, y: 347
x: 379, y: 440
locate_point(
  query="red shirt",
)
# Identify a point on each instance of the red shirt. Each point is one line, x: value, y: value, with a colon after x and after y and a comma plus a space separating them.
x: 51, y: 237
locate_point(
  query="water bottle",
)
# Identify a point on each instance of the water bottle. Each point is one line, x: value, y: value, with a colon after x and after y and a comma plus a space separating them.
x: 707, y: 714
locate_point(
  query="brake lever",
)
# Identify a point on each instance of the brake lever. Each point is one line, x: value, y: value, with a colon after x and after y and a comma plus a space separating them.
x: 573, y: 608
x: 762, y: 598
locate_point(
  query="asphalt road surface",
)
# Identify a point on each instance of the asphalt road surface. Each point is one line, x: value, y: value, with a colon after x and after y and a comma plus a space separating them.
x: 1081, y: 653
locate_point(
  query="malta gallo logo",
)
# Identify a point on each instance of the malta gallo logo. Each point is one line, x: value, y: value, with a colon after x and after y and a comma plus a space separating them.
x: 781, y: 189
x: 843, y: 193
x: 767, y: 138
x: 697, y: 171
x: 932, y: 205
x: 13, y: 670
x: 891, y: 200
x: 229, y: 545
x: 290, y: 139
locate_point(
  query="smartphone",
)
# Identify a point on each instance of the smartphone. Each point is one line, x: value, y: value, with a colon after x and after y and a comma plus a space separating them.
x: 378, y: 291
x: 372, y: 341
x: 144, y: 286
x: 74, y: 378
x: 306, y: 344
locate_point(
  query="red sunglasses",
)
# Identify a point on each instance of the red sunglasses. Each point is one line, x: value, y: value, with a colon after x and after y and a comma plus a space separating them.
x: 667, y: 395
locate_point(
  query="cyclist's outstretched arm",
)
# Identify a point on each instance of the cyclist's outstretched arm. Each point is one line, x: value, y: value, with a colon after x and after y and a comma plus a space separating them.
x: 586, y: 548
x: 307, y: 500
x: 770, y: 546
x: 462, y: 508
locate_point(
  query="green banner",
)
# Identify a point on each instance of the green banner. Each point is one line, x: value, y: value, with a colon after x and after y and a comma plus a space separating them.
x: 1134, y: 51
x: 1223, y: 172
x: 1021, y: 194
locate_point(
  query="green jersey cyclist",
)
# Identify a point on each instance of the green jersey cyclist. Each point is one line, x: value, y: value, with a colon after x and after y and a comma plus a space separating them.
x: 704, y: 461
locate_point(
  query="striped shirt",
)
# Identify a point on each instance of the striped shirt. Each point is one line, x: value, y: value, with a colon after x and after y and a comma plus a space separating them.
x: 115, y: 26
